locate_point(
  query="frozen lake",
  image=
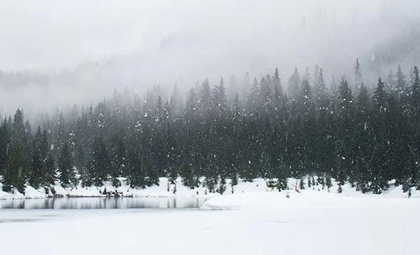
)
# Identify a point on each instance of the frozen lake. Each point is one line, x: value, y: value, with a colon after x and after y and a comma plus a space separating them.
x: 307, y: 223
x: 103, y: 203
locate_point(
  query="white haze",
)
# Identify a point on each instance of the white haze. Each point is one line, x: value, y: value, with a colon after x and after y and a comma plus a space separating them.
x: 89, y: 48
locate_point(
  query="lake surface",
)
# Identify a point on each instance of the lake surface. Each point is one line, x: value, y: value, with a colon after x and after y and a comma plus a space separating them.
x: 103, y: 203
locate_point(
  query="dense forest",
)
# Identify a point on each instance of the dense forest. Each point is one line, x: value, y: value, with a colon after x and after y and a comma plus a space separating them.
x: 365, y: 134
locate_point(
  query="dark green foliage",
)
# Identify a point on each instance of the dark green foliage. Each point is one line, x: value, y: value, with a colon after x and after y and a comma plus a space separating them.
x: 36, y: 174
x: 42, y: 165
x: 380, y: 161
x: 345, y: 144
x: 5, y: 130
x: 17, y: 168
x: 100, y: 166
x: 328, y: 182
x: 50, y: 171
x: 66, y: 168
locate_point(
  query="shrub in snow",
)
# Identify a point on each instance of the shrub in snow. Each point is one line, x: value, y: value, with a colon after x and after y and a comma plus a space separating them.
x: 328, y: 182
x: 301, y: 184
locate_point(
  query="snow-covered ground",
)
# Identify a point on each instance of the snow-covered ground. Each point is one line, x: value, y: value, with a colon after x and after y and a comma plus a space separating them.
x: 164, y: 189
x: 309, y: 222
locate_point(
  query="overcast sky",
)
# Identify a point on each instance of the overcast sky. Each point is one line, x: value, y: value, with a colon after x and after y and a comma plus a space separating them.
x: 61, y: 34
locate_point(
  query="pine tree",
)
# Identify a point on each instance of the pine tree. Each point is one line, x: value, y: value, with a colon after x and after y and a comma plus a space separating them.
x: 358, y: 75
x: 205, y: 103
x: 294, y: 84
x: 415, y: 96
x: 380, y: 161
x: 308, y: 121
x: 414, y: 115
x: 390, y: 82
x: 50, y: 170
x: 401, y: 83
x: 324, y: 146
x: 191, y: 106
x: 118, y: 157
x: 15, y: 175
x: 363, y: 139
x: 253, y: 99
x: 99, y: 167
x: 175, y: 102
x: 4, y: 147
x: 307, y: 76
x: 36, y: 176
x: 399, y: 142
x: 345, y: 141
x: 67, y: 175
x: 277, y: 84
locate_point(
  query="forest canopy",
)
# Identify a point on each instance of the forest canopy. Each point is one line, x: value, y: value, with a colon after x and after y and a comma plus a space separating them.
x: 264, y: 128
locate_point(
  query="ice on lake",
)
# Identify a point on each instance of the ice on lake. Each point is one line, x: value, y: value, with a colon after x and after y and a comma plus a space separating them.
x: 104, y: 203
x: 307, y: 223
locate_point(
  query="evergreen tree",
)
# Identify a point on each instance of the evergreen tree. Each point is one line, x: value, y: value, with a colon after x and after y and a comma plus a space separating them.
x: 36, y: 176
x: 380, y: 159
x: 118, y: 158
x: 67, y: 175
x: 363, y: 139
x: 4, y: 146
x: 401, y: 83
x: 308, y: 121
x: 205, y: 103
x: 175, y: 102
x: 390, y: 82
x: 415, y: 95
x: 294, y: 83
x: 253, y: 99
x: 345, y: 141
x: 15, y: 175
x: 277, y: 84
x: 414, y: 115
x: 358, y: 75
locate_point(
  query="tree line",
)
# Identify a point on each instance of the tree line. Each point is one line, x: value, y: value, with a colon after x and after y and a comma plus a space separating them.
x: 353, y: 133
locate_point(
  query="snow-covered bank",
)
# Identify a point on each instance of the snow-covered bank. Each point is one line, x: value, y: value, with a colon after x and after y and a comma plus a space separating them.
x: 165, y: 189
x: 314, y: 194
x: 281, y: 200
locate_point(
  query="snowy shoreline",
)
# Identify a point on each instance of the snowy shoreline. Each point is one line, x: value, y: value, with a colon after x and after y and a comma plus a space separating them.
x: 178, y: 190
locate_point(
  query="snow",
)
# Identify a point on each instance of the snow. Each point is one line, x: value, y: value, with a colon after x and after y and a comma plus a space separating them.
x: 252, y: 200
x: 161, y: 190
x: 309, y: 222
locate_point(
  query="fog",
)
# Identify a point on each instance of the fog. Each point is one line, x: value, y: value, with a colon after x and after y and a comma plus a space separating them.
x: 80, y: 51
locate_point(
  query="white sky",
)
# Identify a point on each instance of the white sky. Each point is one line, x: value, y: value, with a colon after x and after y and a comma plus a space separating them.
x: 62, y: 34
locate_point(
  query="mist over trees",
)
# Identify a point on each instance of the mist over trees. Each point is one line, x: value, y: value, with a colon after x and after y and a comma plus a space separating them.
x: 267, y: 128
x: 112, y: 45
